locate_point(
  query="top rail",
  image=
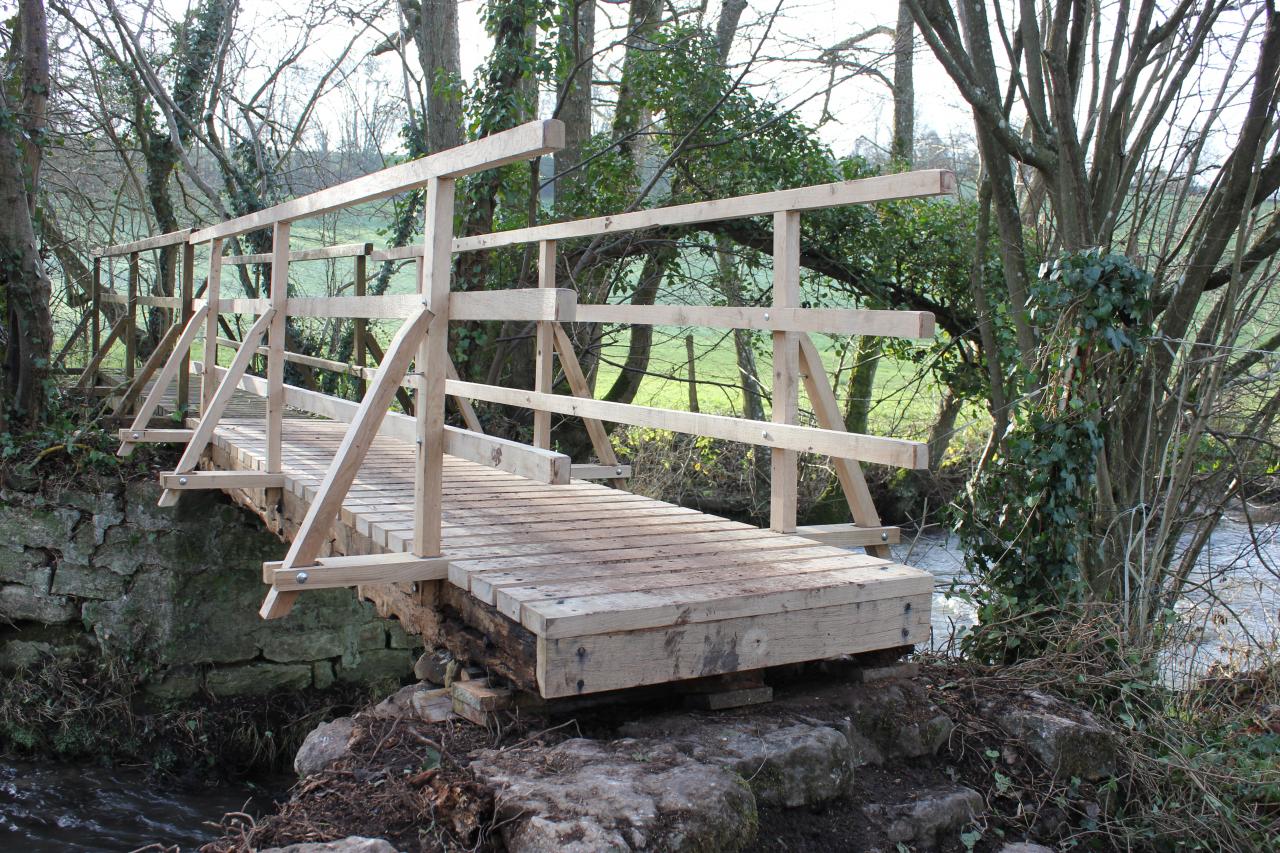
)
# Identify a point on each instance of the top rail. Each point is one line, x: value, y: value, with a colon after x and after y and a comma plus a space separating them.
x: 159, y: 241
x: 323, y: 253
x: 510, y: 146
x: 919, y: 184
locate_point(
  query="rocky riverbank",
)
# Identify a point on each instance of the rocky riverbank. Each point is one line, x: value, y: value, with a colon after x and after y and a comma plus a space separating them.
x: 905, y: 757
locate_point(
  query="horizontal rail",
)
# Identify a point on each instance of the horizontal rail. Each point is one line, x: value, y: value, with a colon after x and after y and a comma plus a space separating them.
x: 830, y: 321
x: 153, y: 301
x: 545, y: 466
x: 845, y: 445
x: 549, y: 304
x: 519, y: 143
x: 926, y: 182
x: 159, y: 241
x: 344, y: 250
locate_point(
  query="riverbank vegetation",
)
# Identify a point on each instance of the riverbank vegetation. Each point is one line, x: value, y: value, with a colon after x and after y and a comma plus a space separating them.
x: 1104, y: 385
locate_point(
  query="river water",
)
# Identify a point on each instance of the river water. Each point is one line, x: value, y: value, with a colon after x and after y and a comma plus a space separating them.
x: 62, y: 808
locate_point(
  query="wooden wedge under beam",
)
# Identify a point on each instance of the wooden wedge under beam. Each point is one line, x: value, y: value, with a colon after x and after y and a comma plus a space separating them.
x: 329, y: 572
x: 850, y: 535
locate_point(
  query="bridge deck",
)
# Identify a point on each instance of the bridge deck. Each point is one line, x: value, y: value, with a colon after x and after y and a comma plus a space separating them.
x: 620, y: 590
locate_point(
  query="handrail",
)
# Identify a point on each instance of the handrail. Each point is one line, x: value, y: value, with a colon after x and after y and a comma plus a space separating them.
x: 422, y: 340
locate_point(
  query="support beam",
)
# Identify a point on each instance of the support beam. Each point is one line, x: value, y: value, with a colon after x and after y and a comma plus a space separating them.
x: 601, y: 472
x: 578, y: 385
x: 544, y: 347
x: 850, y: 535
x: 130, y: 437
x: 177, y: 359
x: 784, y: 472
x: 275, y: 342
x: 331, y: 572
x: 221, y: 480
x: 213, y: 291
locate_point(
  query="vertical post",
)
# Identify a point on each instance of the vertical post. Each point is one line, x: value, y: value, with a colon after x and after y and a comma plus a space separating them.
x: 95, y: 319
x: 692, y: 372
x: 432, y: 366
x: 131, y: 317
x: 212, y: 293
x: 275, y: 345
x: 786, y: 369
x: 543, y: 375
x: 361, y: 324
x: 184, y: 317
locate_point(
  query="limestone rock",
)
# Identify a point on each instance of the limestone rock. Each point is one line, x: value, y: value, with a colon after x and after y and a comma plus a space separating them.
x: 432, y: 666
x: 930, y: 818
x: 585, y: 796
x: 24, y: 604
x: 785, y: 765
x: 1068, y: 740
x: 325, y: 744
x: 351, y: 844
x: 378, y: 665
x: 257, y: 679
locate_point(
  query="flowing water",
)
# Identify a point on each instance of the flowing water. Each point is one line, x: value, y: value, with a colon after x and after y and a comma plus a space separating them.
x: 50, y: 807
x: 55, y: 807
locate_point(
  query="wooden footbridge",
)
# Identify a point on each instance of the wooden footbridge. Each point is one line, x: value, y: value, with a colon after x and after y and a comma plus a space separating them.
x: 503, y: 551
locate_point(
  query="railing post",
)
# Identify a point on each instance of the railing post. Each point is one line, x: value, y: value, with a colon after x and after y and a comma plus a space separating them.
x: 131, y: 317
x: 275, y: 345
x: 786, y: 370
x: 212, y: 293
x: 432, y: 366
x: 361, y: 324
x: 543, y: 375
x: 184, y: 317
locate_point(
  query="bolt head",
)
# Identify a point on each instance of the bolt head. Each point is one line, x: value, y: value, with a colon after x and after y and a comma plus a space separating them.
x: 618, y: 470
x: 766, y: 315
x: 136, y: 436
x: 182, y: 481
x: 302, y: 577
x: 884, y: 537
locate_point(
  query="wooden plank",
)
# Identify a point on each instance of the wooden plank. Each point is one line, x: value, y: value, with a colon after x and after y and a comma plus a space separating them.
x: 96, y: 309
x: 519, y: 143
x: 276, y: 342
x: 131, y: 316
x: 553, y: 304
x: 850, y: 535
x: 599, y: 436
x: 360, y: 329
x: 159, y: 241
x: 313, y: 532
x: 160, y: 301
x: 175, y: 481
x: 579, y: 665
x: 213, y: 294
x: 886, y: 451
x: 783, y: 468
x: 544, y: 348
x: 826, y: 411
x: 433, y: 354
x: 544, y: 466
x: 344, y: 250
x: 158, y: 436
x: 830, y: 321
x: 243, y: 306
x: 330, y: 572
x: 167, y: 373
x: 185, y: 307
x: 919, y: 184
x: 792, y: 593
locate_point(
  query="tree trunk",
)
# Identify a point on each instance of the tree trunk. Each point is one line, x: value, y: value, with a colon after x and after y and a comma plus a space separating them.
x: 435, y: 34
x: 28, y: 343
x: 577, y: 44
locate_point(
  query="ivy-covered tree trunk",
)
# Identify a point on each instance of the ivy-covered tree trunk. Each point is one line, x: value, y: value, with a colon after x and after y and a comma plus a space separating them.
x: 28, y: 341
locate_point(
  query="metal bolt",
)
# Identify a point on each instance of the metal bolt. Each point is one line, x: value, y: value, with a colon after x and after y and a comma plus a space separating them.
x: 618, y: 470
x: 182, y: 481
x: 765, y: 436
x: 414, y: 589
x: 766, y: 315
x: 884, y: 537
x: 136, y: 436
x: 301, y: 577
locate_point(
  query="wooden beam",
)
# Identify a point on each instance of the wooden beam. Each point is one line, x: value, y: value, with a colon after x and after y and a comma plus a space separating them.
x: 519, y: 143
x: 213, y: 296
x: 323, y: 509
x: 159, y: 241
x: 544, y: 347
x: 850, y: 535
x: 826, y: 411
x: 830, y: 321
x: 885, y: 451
x: 171, y: 366
x: 345, y: 250
x: 783, y: 468
x: 927, y: 182
x: 158, y: 356
x: 185, y: 296
x: 585, y: 471
x: 131, y: 313
x: 175, y: 481
x: 599, y: 436
x: 276, y: 341
x: 130, y: 437
x: 330, y: 572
